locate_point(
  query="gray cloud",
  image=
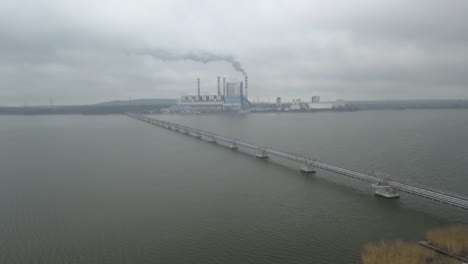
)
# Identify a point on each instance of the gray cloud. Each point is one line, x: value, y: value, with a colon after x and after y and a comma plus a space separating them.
x: 362, y: 49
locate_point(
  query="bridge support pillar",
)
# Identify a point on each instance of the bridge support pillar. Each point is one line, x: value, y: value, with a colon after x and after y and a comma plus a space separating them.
x: 211, y: 139
x: 262, y: 154
x: 385, y: 191
x: 185, y: 131
x: 233, y: 145
x: 307, y: 167
x: 197, y: 135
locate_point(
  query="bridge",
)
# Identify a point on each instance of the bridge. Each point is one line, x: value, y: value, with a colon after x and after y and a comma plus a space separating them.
x: 309, y: 165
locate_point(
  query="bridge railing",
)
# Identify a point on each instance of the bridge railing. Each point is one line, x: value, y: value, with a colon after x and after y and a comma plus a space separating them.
x: 450, y: 198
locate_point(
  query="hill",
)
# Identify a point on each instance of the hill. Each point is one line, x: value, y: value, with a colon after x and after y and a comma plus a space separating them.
x: 149, y: 101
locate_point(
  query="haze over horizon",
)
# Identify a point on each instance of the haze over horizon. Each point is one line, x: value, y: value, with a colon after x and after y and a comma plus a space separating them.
x: 88, y: 52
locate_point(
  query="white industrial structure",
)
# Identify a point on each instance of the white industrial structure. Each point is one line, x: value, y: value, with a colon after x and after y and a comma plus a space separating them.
x: 324, y: 105
x: 298, y: 105
x: 278, y: 104
x: 232, y: 99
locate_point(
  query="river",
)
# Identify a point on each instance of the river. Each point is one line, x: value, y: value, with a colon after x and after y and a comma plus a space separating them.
x: 111, y: 189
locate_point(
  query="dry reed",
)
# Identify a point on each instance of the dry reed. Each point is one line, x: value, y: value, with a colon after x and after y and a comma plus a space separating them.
x: 453, y: 239
x: 397, y: 252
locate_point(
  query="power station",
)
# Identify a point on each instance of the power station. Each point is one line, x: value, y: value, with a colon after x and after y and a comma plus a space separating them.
x: 232, y: 96
x: 233, y: 99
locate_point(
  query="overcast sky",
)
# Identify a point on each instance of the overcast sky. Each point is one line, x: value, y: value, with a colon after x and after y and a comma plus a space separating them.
x: 80, y: 52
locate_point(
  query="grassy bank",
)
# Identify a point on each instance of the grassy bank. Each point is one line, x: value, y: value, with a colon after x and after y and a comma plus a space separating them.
x: 395, y: 253
x: 453, y: 239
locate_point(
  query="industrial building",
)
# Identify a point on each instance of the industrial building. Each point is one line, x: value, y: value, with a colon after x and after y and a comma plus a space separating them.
x: 315, y: 99
x: 298, y: 105
x: 278, y: 104
x: 202, y: 103
x: 321, y: 106
x: 232, y: 99
x: 315, y: 104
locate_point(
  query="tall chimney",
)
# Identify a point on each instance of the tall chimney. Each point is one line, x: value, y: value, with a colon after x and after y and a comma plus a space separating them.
x: 198, y: 85
x: 219, y: 88
x: 224, y: 86
x: 246, y: 88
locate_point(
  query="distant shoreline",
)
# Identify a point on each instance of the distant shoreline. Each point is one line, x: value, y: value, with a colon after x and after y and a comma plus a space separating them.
x: 33, y: 112
x: 145, y: 106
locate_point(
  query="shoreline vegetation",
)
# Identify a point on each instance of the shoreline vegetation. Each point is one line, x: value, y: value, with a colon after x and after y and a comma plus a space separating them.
x: 451, y: 239
x: 444, y: 245
x: 155, y: 106
x: 396, y: 252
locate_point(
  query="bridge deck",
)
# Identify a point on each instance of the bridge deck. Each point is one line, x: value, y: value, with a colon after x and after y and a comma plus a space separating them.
x: 445, y: 197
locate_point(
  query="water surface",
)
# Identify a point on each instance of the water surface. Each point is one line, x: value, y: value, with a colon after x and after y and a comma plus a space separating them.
x: 110, y: 189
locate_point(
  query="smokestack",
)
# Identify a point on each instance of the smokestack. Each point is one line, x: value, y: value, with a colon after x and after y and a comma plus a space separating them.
x: 224, y: 86
x: 246, y: 88
x: 198, y: 85
x: 219, y: 88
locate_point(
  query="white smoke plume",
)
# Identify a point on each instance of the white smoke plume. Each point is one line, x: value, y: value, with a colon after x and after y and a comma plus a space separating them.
x: 199, y: 56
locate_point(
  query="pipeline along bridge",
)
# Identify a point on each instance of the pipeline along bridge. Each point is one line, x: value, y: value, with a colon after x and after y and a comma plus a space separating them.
x: 309, y: 165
